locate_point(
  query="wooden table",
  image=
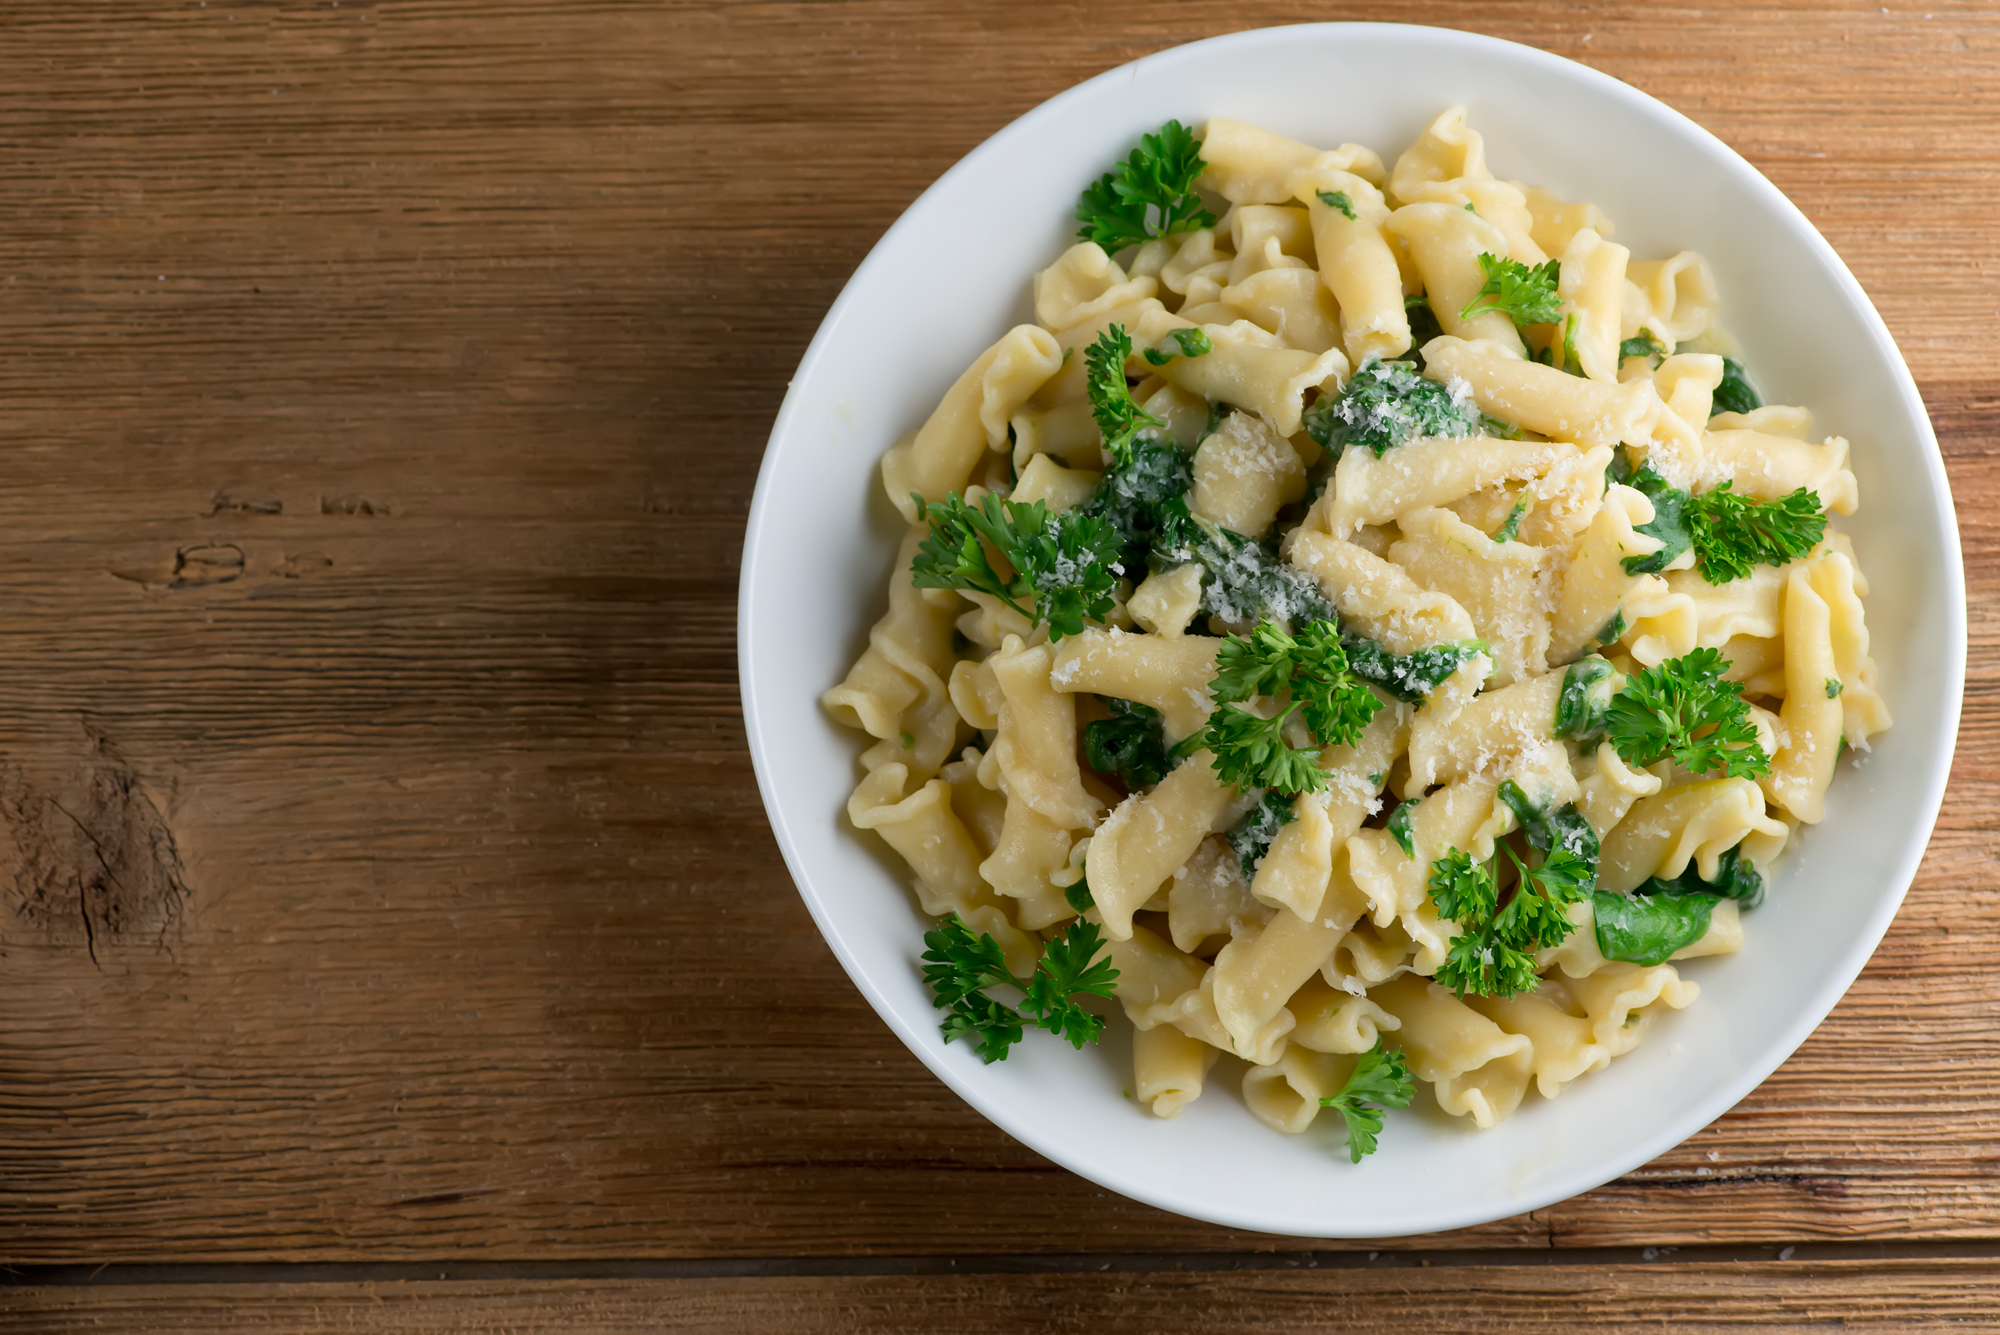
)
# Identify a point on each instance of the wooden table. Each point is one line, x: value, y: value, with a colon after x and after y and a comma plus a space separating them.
x: 393, y: 938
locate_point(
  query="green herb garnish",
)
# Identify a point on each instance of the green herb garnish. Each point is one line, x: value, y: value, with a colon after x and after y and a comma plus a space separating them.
x: 1585, y: 699
x: 1386, y: 404
x: 1065, y: 565
x: 1683, y: 708
x: 1379, y: 1080
x: 1118, y: 414
x: 1733, y: 534
x: 960, y: 968
x: 1337, y: 199
x: 1189, y: 342
x: 1150, y: 194
x: 1129, y: 744
x: 1249, y: 749
x: 1526, y: 295
x: 1251, y: 838
x: 1398, y: 826
x: 1735, y: 394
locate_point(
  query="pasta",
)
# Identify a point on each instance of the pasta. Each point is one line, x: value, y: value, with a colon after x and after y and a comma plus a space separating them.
x: 1375, y: 624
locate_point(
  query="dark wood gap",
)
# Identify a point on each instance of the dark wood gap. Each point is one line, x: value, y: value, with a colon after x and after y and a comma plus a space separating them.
x: 1125, y: 1263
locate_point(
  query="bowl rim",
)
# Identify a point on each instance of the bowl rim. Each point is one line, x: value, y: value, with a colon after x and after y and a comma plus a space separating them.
x: 1845, y: 966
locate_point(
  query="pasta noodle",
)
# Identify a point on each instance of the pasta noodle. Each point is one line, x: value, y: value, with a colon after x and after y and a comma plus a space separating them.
x: 1287, y: 667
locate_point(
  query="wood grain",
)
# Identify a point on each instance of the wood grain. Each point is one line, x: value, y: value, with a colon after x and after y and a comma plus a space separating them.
x: 1936, y: 1295
x: 383, y: 389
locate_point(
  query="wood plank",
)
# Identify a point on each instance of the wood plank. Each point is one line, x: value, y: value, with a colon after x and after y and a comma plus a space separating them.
x: 1898, y: 1296
x: 384, y: 390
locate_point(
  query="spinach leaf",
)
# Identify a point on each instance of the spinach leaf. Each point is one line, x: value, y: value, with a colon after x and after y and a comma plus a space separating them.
x: 1244, y: 582
x: 1736, y: 877
x: 1647, y: 929
x: 1145, y: 497
x: 1129, y: 744
x: 1735, y: 394
x: 1408, y: 677
x: 1385, y: 404
x: 1424, y: 326
x: 1251, y: 838
x: 1669, y: 523
x: 1586, y: 696
x: 1399, y: 829
x: 1547, y: 829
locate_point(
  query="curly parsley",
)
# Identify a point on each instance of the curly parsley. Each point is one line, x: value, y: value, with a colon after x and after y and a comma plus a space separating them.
x: 960, y: 968
x: 1250, y: 749
x: 1734, y: 534
x: 1118, y: 414
x: 1526, y: 295
x: 1150, y: 194
x: 1731, y: 534
x: 1065, y: 565
x: 1683, y: 708
x: 1493, y: 954
x: 1379, y: 1080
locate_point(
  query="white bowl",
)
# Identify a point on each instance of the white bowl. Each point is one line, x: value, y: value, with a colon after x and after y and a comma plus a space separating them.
x: 953, y: 273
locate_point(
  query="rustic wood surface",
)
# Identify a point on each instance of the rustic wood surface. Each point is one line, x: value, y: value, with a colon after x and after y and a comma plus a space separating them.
x: 382, y: 877
x: 1899, y: 1298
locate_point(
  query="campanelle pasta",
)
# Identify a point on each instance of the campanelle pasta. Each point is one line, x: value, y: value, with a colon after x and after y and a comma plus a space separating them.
x: 1445, y: 417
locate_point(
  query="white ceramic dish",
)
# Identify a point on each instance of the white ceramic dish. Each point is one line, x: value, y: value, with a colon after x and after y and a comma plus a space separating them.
x: 954, y: 272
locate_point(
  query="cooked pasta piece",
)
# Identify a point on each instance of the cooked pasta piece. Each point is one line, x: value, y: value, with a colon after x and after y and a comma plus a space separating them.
x: 1541, y: 398
x: 1430, y: 472
x: 1286, y: 1097
x: 1253, y: 369
x: 1357, y: 262
x: 972, y: 418
x: 1150, y: 836
x: 1168, y: 1068
x: 1446, y: 241
x: 1673, y: 299
x: 1257, y: 975
x: 1592, y: 287
x: 1695, y: 822
x: 1243, y: 473
x: 1168, y: 673
x: 1499, y: 584
x: 1479, y: 1069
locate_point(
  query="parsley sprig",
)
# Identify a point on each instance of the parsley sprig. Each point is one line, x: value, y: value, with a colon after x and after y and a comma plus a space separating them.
x: 1731, y: 534
x: 1250, y: 749
x: 1493, y: 954
x: 1381, y: 1079
x: 1684, y: 709
x: 960, y: 967
x: 1148, y: 195
x: 1065, y: 565
x: 1118, y: 414
x: 1525, y: 294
